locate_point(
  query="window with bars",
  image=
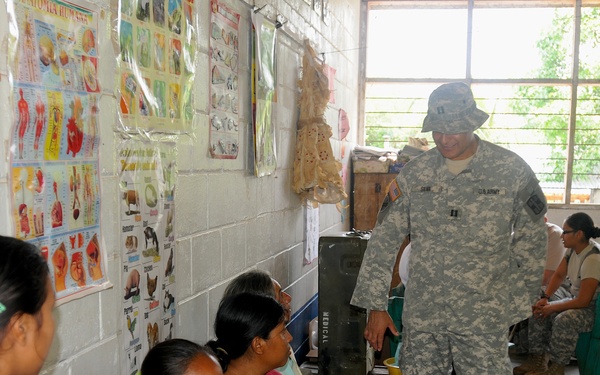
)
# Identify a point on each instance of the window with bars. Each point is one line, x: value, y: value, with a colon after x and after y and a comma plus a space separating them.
x: 534, y: 66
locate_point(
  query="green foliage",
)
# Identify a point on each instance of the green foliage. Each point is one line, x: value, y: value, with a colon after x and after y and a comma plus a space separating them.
x: 556, y: 57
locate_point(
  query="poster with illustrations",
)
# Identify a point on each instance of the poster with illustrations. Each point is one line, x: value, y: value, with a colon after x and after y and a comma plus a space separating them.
x: 263, y: 93
x: 224, y: 92
x: 54, y: 172
x: 147, y: 184
x: 154, y: 82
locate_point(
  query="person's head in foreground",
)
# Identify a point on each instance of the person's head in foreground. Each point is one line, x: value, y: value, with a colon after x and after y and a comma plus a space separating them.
x: 251, y: 337
x: 26, y: 303
x: 260, y: 282
x: 180, y: 357
x: 453, y: 116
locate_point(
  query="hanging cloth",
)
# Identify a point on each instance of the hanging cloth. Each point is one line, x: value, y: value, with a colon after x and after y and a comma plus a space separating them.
x: 316, y: 171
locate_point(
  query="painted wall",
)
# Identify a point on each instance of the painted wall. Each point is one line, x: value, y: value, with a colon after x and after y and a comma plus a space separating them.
x: 227, y: 220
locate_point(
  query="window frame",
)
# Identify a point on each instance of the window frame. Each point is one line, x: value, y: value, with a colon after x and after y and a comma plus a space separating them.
x: 573, y: 82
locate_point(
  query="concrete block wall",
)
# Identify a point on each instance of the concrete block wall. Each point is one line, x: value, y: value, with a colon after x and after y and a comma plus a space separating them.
x: 226, y: 220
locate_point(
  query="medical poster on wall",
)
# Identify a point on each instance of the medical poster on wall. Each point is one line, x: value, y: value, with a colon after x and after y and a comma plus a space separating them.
x: 224, y: 93
x: 54, y: 170
x: 154, y: 81
x: 147, y: 184
x: 263, y: 94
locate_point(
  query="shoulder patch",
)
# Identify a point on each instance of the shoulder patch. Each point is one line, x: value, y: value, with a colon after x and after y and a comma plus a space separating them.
x: 393, y: 194
x: 394, y: 190
x: 534, y: 200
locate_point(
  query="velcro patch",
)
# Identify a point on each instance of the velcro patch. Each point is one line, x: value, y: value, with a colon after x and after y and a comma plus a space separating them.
x: 394, y: 190
x: 533, y: 199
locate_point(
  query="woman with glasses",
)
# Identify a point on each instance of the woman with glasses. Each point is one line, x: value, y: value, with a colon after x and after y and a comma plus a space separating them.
x: 555, y: 325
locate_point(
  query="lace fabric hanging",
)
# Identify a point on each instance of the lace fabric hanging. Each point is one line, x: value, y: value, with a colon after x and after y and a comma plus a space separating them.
x: 316, y: 171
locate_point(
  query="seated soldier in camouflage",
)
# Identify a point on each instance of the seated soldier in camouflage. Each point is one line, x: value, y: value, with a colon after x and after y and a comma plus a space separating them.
x: 555, y: 326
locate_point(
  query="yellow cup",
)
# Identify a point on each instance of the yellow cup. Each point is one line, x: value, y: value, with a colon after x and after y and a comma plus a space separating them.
x: 392, y: 368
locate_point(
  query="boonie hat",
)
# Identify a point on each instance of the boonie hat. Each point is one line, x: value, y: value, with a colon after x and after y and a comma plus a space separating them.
x: 452, y: 109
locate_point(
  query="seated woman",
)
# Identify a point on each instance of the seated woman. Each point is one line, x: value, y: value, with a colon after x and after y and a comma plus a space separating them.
x: 26, y: 303
x: 555, y: 326
x: 260, y: 282
x: 180, y: 357
x: 251, y: 335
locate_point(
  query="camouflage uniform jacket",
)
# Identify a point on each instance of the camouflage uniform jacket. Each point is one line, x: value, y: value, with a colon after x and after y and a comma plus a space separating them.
x: 478, y: 243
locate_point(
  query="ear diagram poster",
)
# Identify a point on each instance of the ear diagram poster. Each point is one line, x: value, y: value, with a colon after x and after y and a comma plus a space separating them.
x: 54, y: 173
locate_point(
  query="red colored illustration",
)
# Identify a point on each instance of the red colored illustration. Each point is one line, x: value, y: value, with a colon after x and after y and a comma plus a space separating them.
x: 40, y: 122
x: 23, y: 121
x: 23, y: 215
x: 74, y: 124
x: 59, y: 261
x: 93, y: 258
x: 77, y: 272
x: 39, y: 186
x: 56, y: 214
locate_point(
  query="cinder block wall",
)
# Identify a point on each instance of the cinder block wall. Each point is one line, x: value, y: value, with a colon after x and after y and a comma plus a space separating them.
x: 227, y: 221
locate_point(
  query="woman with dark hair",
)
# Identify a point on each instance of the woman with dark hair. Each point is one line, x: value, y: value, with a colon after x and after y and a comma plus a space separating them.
x: 253, y: 281
x: 251, y: 335
x: 555, y: 325
x: 26, y: 302
x: 180, y: 357
x: 260, y: 282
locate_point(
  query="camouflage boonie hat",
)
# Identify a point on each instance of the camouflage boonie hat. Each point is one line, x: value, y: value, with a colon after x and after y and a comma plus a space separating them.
x: 452, y: 109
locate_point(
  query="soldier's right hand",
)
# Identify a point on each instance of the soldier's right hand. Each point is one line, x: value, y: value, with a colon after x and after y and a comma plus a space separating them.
x: 377, y: 324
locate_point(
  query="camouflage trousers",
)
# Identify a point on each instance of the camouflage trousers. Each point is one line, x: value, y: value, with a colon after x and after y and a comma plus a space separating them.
x: 558, y: 333
x: 521, y: 334
x: 429, y: 353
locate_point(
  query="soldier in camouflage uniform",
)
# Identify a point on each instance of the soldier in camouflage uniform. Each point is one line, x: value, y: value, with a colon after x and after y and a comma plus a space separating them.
x: 555, y: 326
x: 475, y: 215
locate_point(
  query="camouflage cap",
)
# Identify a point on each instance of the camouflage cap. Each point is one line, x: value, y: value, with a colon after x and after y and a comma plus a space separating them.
x: 452, y: 109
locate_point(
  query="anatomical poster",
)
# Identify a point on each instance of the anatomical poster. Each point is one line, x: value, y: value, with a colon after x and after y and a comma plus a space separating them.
x: 54, y: 140
x: 224, y: 93
x: 147, y: 239
x: 155, y: 73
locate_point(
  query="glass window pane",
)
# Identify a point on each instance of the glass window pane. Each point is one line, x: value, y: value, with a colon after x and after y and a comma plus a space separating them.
x: 417, y: 43
x: 507, y: 44
x: 395, y: 112
x: 532, y: 121
x: 585, y: 186
x: 589, y: 53
x: 522, y: 43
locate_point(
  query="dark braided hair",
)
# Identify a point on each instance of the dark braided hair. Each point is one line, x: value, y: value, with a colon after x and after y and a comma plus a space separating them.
x: 172, y: 357
x: 240, y: 319
x: 583, y: 222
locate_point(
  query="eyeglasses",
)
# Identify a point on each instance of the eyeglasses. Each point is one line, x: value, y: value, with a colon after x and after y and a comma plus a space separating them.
x: 568, y: 231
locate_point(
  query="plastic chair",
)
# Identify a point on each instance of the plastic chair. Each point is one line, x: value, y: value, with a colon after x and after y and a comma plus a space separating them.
x: 588, y: 348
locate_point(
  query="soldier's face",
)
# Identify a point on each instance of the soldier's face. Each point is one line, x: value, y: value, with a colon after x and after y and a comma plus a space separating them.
x: 458, y: 146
